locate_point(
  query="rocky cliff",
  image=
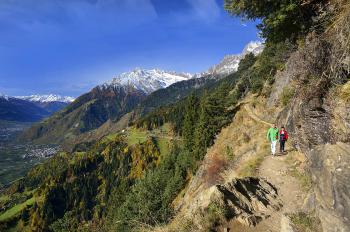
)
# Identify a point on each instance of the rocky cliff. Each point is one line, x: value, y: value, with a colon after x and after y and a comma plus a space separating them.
x: 310, y: 96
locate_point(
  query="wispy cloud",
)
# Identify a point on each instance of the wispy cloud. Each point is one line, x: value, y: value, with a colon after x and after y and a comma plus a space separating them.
x: 31, y: 14
x: 206, y: 9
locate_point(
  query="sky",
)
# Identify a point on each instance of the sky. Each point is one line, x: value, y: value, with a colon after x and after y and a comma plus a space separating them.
x: 69, y: 46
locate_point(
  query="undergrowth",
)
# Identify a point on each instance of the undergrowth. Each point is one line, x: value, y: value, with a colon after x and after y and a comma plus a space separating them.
x: 305, y: 222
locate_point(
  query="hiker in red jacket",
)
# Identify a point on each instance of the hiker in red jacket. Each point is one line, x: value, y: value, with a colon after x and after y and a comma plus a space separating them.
x: 282, y: 137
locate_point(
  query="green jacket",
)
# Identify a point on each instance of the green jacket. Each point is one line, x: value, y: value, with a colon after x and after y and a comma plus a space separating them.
x: 272, y: 134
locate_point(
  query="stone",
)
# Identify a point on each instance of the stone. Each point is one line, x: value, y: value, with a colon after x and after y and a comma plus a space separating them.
x: 286, y: 224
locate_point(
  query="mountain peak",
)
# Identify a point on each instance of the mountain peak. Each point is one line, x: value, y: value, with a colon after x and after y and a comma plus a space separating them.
x: 147, y: 81
x: 47, y: 98
x: 4, y: 96
x: 254, y: 47
x: 230, y: 63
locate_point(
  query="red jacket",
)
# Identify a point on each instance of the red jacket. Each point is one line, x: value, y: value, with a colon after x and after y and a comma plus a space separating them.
x: 282, y: 137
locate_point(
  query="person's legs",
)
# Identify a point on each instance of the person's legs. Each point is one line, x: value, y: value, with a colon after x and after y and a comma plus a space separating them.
x: 273, y: 147
x: 282, y: 145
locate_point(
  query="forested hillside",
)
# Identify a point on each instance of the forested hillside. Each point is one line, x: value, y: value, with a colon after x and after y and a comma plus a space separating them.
x: 202, y: 162
x: 86, y: 113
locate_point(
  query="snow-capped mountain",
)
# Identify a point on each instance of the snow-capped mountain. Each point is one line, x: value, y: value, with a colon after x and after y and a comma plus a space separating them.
x: 47, y: 98
x: 31, y: 108
x: 230, y: 63
x: 3, y: 96
x: 147, y: 81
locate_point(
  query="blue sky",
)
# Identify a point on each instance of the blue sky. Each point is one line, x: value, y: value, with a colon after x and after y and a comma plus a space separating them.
x: 68, y: 46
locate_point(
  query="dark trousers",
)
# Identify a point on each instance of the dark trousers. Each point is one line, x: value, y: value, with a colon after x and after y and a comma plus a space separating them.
x: 282, y: 143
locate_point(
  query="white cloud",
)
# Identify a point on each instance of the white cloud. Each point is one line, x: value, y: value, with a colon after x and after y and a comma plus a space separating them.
x: 206, y: 9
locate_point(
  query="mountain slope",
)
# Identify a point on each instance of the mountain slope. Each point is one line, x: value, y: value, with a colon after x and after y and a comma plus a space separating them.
x: 108, y: 101
x: 13, y: 109
x: 87, y: 112
x: 160, y: 87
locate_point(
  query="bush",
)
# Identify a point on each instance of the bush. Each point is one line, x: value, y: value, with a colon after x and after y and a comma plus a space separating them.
x: 216, y: 166
x: 215, y: 216
x: 305, y: 222
x: 345, y: 92
x: 286, y: 95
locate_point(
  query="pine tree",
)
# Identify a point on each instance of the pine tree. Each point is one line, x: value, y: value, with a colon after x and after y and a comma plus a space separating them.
x: 212, y: 117
x: 190, y: 121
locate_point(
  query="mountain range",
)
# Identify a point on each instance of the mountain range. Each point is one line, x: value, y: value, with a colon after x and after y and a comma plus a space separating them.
x: 147, y: 81
x: 31, y: 108
x: 140, y: 90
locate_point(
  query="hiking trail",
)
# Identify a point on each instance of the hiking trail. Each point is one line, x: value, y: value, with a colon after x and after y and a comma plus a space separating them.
x: 277, y: 170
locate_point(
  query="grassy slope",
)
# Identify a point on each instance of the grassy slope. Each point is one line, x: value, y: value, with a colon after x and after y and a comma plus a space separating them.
x: 15, y: 210
x: 163, y: 136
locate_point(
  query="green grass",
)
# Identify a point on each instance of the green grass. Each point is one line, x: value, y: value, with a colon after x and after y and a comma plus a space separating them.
x: 303, y: 178
x: 250, y: 168
x: 306, y: 222
x: 295, y: 171
x: 163, y: 145
x: 16, y: 209
x: 4, y: 198
x: 112, y: 136
x: 136, y: 136
x: 215, y: 216
x: 162, y: 135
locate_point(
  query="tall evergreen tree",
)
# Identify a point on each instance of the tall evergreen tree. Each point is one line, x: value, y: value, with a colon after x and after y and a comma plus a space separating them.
x: 213, y: 116
x: 190, y: 121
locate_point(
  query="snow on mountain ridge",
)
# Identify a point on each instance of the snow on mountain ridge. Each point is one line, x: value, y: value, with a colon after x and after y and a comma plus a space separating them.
x: 4, y: 96
x: 230, y: 63
x: 151, y: 80
x: 47, y: 98
x: 147, y: 81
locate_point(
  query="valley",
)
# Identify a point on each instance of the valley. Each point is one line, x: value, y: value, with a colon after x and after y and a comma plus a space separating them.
x: 17, y: 159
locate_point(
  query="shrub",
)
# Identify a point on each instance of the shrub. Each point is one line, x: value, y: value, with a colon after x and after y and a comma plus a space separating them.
x: 229, y: 153
x: 216, y: 166
x: 345, y: 92
x: 215, y: 216
x: 305, y: 222
x: 286, y: 95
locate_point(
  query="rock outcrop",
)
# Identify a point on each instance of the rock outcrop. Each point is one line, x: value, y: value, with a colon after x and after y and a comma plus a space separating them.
x: 318, y: 121
x: 247, y: 200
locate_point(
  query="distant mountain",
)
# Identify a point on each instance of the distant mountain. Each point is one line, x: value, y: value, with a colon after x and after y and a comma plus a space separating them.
x: 14, y: 109
x: 47, y: 98
x: 50, y: 102
x: 147, y: 81
x: 108, y: 101
x: 31, y: 108
x: 230, y: 62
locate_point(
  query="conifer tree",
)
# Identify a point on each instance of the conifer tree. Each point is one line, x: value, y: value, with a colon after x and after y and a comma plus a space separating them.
x: 190, y: 121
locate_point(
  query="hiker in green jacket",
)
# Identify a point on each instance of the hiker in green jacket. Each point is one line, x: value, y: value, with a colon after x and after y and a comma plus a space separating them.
x: 272, y: 136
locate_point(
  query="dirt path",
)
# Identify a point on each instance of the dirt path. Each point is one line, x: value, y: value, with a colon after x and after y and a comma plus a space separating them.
x: 277, y: 171
x: 254, y: 116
